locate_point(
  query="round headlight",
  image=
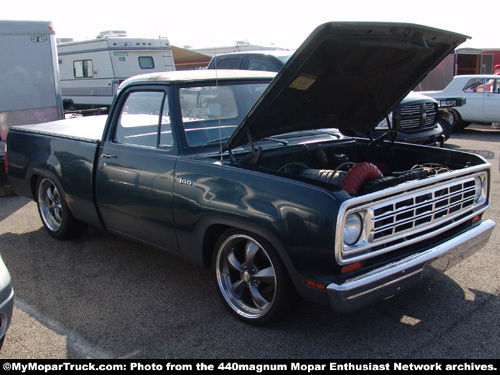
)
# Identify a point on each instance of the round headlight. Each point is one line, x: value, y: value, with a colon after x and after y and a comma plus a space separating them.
x: 480, y: 193
x: 352, y: 229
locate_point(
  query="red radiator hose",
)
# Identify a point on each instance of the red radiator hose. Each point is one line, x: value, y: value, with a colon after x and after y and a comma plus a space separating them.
x: 358, y: 174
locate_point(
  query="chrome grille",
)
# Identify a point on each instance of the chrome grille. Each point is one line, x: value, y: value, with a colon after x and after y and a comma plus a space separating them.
x: 411, y: 212
x: 421, y: 209
x: 415, y: 117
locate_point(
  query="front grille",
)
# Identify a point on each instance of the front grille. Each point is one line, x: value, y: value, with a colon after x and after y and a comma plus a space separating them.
x: 415, y: 117
x: 422, y: 209
x: 410, y: 213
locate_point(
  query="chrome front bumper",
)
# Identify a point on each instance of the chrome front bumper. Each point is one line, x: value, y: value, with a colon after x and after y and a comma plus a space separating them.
x: 394, y: 278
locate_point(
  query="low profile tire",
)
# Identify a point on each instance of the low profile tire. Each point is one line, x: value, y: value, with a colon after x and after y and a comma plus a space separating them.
x: 251, y: 279
x: 54, y: 211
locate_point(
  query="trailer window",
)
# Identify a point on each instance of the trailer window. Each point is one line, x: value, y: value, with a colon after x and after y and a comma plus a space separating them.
x: 83, y: 69
x: 146, y: 62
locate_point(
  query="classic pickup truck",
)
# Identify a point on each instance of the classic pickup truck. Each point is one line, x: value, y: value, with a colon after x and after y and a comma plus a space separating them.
x: 248, y: 173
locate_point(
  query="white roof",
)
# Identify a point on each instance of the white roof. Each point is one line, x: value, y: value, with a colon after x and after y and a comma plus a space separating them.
x: 480, y: 76
x: 197, y: 75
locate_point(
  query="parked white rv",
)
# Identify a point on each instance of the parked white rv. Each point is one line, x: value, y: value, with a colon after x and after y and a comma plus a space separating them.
x: 91, y: 70
x: 29, y: 90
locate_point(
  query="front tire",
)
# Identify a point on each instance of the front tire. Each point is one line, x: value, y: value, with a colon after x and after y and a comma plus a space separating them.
x: 54, y: 211
x: 251, y: 279
x: 459, y: 123
x: 447, y: 119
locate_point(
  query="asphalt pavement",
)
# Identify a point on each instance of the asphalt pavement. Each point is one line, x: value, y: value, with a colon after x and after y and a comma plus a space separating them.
x: 102, y: 296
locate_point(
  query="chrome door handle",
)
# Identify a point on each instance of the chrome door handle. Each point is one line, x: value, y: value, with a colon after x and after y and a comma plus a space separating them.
x: 108, y: 156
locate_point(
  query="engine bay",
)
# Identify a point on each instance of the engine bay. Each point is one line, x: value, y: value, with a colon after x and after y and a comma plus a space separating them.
x: 361, y: 168
x: 364, y: 177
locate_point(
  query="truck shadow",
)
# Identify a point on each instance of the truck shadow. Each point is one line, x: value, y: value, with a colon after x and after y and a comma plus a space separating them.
x: 426, y: 322
x: 10, y: 206
x: 478, y: 133
x: 133, y: 301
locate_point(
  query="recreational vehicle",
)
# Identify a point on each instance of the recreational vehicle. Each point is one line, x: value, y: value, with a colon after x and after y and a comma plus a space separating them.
x: 91, y: 70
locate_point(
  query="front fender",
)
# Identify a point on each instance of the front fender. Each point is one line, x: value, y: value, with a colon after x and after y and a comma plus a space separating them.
x: 297, y: 218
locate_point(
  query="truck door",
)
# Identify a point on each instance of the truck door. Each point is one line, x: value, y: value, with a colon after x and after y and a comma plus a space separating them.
x: 491, y: 102
x: 136, y: 169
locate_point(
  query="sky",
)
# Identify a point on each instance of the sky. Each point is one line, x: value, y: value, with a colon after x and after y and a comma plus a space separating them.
x: 216, y: 23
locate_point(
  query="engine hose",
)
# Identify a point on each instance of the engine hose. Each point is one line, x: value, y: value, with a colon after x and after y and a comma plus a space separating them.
x: 358, y: 175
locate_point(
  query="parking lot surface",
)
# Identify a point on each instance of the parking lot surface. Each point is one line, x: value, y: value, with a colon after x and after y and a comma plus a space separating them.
x: 102, y: 296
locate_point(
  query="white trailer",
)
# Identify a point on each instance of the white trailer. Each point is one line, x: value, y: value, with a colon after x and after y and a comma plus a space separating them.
x: 29, y: 78
x: 91, y: 70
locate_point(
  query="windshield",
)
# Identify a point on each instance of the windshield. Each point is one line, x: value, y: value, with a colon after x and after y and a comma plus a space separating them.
x: 210, y: 113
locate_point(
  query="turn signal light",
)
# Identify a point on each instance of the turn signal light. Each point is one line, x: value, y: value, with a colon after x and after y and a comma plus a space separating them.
x: 475, y: 219
x: 315, y: 285
x: 351, y: 267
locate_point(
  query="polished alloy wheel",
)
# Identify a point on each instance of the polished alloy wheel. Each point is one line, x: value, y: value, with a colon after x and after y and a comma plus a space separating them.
x: 246, y: 276
x: 50, y: 205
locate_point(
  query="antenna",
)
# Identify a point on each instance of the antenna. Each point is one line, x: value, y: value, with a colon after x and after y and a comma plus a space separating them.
x: 218, y: 106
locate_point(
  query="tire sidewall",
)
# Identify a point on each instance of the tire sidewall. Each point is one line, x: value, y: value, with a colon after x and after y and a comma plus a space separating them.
x: 69, y: 226
x: 284, y: 286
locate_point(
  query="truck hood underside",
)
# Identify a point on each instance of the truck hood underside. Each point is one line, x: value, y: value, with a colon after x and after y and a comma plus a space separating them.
x: 347, y: 76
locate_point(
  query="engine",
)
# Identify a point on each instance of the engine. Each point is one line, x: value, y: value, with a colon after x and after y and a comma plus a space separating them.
x: 363, y: 177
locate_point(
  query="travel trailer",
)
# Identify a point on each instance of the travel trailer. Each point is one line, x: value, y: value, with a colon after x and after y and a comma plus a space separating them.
x: 91, y: 70
x: 30, y: 91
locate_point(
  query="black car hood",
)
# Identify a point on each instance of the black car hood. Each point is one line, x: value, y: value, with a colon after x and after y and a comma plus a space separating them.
x: 346, y: 76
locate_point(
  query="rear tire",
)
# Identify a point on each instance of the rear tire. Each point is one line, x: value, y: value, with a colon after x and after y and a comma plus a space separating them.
x: 54, y: 211
x: 251, y: 280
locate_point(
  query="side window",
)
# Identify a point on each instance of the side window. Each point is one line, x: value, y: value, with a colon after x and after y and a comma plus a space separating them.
x: 146, y: 62
x: 229, y: 63
x: 141, y: 115
x: 493, y: 86
x: 83, y: 69
x: 166, y: 139
x: 257, y: 63
x: 474, y: 85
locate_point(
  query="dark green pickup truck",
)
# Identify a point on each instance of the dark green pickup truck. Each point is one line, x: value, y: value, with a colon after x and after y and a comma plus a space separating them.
x: 248, y: 173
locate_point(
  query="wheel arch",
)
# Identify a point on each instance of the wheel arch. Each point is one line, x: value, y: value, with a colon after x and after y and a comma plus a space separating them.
x: 216, y: 228
x: 38, y: 174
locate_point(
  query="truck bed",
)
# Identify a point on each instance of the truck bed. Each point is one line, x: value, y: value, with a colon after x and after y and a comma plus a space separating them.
x: 66, y: 149
x: 87, y: 129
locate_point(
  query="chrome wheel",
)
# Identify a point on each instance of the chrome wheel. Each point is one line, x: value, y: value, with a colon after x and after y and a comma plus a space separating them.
x: 246, y: 276
x: 54, y: 211
x: 50, y: 205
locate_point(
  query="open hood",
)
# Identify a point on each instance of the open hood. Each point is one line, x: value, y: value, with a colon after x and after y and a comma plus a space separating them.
x: 346, y: 76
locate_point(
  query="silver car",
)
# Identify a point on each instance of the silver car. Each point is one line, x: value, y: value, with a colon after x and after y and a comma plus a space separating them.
x: 6, y: 301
